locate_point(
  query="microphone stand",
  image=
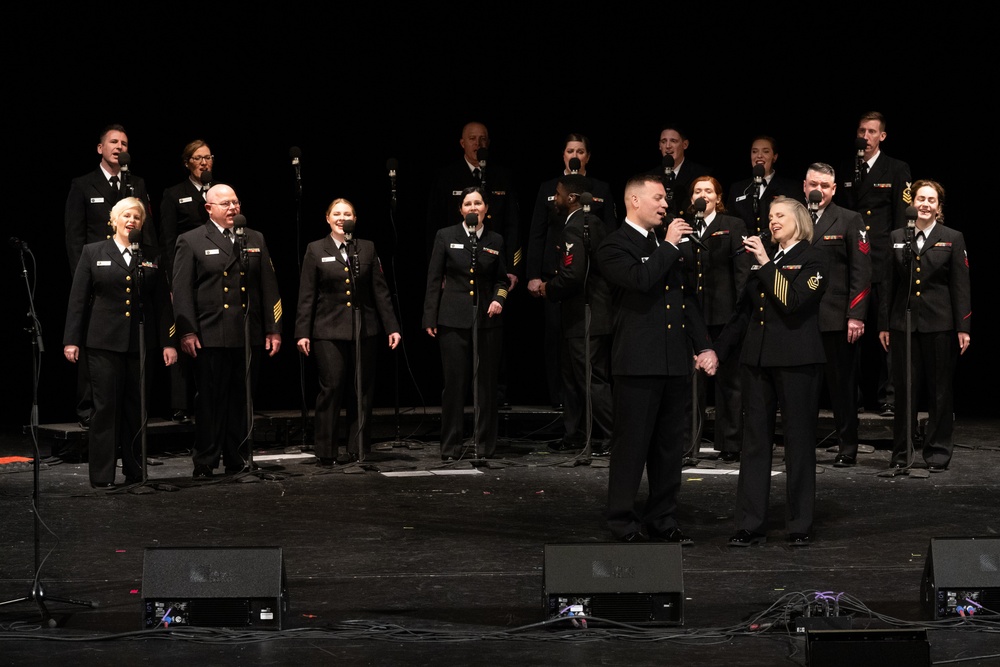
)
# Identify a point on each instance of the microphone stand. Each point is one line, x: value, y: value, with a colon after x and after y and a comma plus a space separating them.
x: 474, y: 240
x: 37, y: 593
x: 299, y: 251
x: 356, y: 316
x: 588, y: 408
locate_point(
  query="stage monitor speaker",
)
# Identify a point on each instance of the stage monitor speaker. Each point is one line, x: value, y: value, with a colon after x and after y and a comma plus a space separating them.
x: 961, y: 577
x: 227, y: 587
x: 868, y: 648
x: 638, y: 584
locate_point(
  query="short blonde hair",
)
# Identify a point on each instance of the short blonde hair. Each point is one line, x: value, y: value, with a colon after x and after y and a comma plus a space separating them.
x: 126, y: 204
x: 800, y: 214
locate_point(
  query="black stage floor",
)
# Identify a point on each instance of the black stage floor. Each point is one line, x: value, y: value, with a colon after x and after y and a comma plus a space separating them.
x: 405, y: 561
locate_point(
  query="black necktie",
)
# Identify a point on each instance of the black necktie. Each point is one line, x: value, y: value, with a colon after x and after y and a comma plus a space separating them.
x: 113, y: 182
x: 778, y: 255
x: 815, y: 216
x: 228, y: 234
x: 701, y: 227
x: 204, y: 192
x: 477, y: 175
x: 651, y: 241
x: 127, y: 254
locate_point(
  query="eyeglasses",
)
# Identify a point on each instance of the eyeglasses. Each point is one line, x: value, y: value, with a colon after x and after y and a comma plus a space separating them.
x: 226, y: 204
x: 201, y: 158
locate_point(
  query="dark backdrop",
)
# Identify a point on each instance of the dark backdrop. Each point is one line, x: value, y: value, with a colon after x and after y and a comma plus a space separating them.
x: 354, y: 87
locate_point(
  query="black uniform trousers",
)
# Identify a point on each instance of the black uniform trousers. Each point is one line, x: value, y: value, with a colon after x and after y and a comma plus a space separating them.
x: 221, y: 411
x: 728, y: 399
x: 659, y: 403
x: 457, y: 366
x: 574, y: 378
x: 114, y: 425
x: 841, y: 372
x: 337, y: 378
x: 934, y: 357
x: 796, y: 389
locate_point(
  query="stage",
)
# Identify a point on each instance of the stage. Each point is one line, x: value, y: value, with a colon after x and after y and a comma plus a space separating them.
x: 404, y: 560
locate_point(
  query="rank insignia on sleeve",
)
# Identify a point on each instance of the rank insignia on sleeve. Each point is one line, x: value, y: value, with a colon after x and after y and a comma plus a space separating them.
x: 568, y: 260
x: 863, y: 245
x: 569, y: 246
x: 966, y: 258
x: 814, y: 281
x: 907, y: 195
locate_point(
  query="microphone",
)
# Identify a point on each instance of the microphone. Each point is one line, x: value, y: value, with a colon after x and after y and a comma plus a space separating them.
x: 349, y: 226
x: 239, y: 225
x: 206, y: 178
x: 574, y: 167
x: 860, y: 145
x: 699, y: 205
x: 668, y: 166
x: 123, y: 160
x: 758, y: 174
x: 763, y: 236
x: 815, y: 197
x: 392, y: 164
x: 482, y: 155
x: 134, y: 237
x: 295, y: 153
x: 471, y: 222
x: 586, y: 199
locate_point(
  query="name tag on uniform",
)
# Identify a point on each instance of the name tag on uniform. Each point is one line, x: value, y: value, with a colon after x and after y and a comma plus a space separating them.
x: 456, y: 245
x: 103, y: 262
x: 185, y: 200
x: 329, y: 259
x: 898, y: 245
x: 97, y: 200
x: 551, y: 198
x: 741, y: 197
x: 685, y: 239
x: 213, y: 251
x: 644, y: 259
x: 456, y: 193
x: 848, y: 184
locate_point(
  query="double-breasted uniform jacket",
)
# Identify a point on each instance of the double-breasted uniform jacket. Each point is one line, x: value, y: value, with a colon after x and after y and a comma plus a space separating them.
x: 740, y: 202
x: 181, y: 210
x: 937, y: 285
x: 545, y: 236
x: 328, y: 293
x: 718, y: 277
x: 502, y: 217
x: 841, y: 234
x: 780, y: 312
x: 578, y: 267
x: 88, y: 212
x: 881, y: 199
x: 453, y: 285
x: 208, y: 299
x: 656, y: 319
x: 106, y: 297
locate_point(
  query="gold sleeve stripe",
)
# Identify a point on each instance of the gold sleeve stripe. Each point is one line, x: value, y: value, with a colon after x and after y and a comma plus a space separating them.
x: 277, y: 311
x: 173, y: 330
x: 502, y: 292
x: 781, y: 287
x: 517, y: 257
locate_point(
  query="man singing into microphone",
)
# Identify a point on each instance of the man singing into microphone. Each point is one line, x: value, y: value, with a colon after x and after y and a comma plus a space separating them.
x: 209, y: 308
x: 841, y: 235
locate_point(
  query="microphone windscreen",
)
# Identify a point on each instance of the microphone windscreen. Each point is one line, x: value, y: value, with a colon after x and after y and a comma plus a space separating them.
x: 349, y: 225
x: 574, y: 164
x: 124, y: 159
x: 758, y: 171
x: 668, y: 162
x: 239, y: 221
x: 206, y: 177
x: 860, y: 144
x: 586, y: 198
x: 471, y: 220
x: 700, y: 204
x: 482, y: 154
x: 295, y: 153
x: 134, y: 236
x: 815, y: 197
x: 911, y: 212
x: 392, y: 164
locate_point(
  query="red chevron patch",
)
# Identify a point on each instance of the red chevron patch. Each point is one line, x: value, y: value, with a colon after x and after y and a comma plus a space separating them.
x: 865, y: 247
x: 568, y: 260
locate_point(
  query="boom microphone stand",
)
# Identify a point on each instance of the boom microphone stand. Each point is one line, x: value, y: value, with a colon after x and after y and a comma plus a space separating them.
x: 37, y: 593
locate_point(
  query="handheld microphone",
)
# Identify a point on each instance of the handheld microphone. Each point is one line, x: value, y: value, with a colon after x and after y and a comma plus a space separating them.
x: 763, y: 236
x: 574, y: 166
x: 349, y: 226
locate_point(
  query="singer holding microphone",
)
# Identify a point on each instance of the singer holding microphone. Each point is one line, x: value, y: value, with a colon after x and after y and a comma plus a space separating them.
x: 721, y: 272
x: 117, y: 284
x: 781, y: 365
x: 342, y: 278
x: 929, y: 276
x: 466, y: 291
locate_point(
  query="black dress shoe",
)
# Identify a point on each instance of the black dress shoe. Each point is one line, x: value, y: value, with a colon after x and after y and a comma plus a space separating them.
x: 632, y: 537
x: 673, y: 535
x: 799, y: 540
x: 844, y: 461
x: 745, y: 538
x: 102, y: 485
x: 936, y: 467
x: 729, y: 457
x: 202, y: 472
x: 887, y: 409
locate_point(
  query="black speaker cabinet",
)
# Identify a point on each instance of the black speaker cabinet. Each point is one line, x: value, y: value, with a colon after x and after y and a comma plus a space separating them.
x: 629, y: 583
x: 961, y: 577
x: 868, y: 648
x: 230, y: 587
